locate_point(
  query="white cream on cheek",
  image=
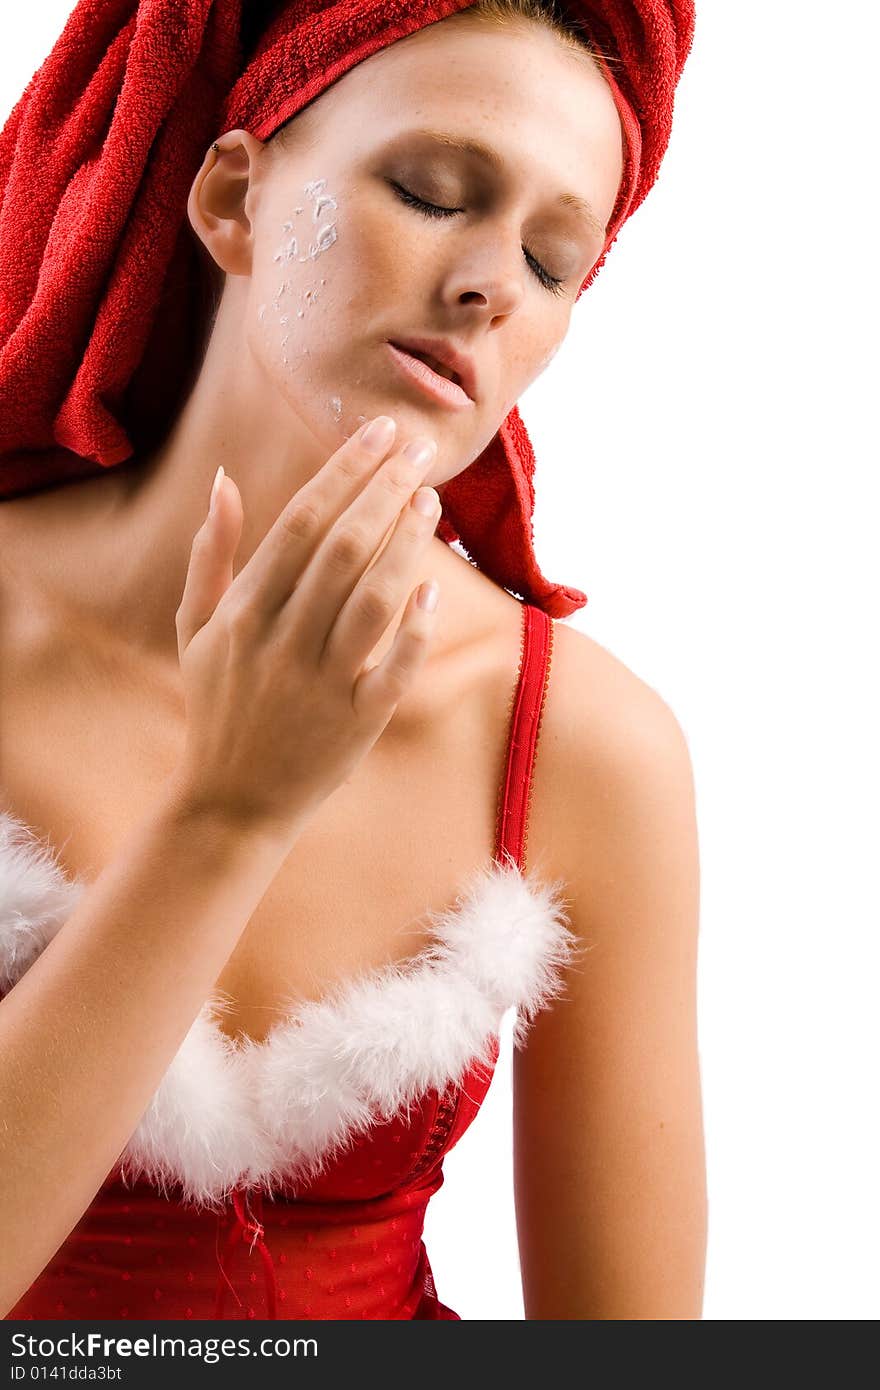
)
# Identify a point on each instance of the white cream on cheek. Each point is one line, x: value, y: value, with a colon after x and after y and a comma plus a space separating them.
x: 320, y: 231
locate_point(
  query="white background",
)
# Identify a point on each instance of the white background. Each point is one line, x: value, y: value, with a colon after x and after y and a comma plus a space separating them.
x: 707, y: 467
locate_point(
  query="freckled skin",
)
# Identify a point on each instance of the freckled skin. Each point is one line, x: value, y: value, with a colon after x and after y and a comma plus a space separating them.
x: 391, y: 271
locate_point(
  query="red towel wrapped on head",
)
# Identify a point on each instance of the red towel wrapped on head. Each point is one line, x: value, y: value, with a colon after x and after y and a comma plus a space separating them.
x: 99, y: 279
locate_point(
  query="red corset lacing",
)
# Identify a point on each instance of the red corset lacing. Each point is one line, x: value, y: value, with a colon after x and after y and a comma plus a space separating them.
x: 245, y: 1226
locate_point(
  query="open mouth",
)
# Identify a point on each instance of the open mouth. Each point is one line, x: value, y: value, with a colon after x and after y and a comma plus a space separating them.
x: 439, y: 367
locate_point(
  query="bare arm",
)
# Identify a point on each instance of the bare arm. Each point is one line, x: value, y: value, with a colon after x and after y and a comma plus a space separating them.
x: 88, y: 1032
x: 610, y: 1178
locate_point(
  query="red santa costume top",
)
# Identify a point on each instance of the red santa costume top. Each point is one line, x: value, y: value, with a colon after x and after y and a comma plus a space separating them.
x: 290, y: 1178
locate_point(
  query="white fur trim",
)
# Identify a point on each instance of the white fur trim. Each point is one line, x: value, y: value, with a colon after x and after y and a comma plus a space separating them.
x: 229, y: 1112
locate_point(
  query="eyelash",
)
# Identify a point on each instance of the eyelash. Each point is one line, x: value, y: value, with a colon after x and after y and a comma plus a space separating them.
x: 550, y: 282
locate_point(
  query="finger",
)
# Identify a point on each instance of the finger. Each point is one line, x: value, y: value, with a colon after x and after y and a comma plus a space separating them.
x: 268, y: 578
x: 345, y: 559
x: 377, y: 598
x: 378, y: 691
x: 209, y: 573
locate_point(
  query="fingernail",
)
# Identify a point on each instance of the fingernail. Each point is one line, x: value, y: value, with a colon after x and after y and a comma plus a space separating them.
x: 215, y: 488
x: 378, y: 434
x: 428, y: 596
x: 425, y: 501
x: 420, y: 451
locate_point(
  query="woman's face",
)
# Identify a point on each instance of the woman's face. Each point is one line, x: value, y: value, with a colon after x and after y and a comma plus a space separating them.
x: 345, y: 261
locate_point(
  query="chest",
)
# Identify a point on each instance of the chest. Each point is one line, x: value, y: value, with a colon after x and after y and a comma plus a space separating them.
x: 87, y: 742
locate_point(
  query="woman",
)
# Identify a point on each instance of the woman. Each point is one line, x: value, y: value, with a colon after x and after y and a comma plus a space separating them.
x: 272, y: 771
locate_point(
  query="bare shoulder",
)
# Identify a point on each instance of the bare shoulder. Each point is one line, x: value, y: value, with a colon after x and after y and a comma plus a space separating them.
x: 610, y: 748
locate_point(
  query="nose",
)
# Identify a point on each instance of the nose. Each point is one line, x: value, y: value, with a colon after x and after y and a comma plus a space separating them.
x: 492, y: 275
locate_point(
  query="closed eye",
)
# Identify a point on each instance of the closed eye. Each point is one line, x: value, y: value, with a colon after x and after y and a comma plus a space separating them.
x: 550, y: 282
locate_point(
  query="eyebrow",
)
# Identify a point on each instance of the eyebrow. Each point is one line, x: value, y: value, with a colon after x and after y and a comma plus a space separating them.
x: 468, y: 145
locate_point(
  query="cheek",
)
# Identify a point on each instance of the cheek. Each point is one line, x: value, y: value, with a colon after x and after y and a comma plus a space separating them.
x: 548, y: 356
x: 524, y: 366
x: 293, y: 284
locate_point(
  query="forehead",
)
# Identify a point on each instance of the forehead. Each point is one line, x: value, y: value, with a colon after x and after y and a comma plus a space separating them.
x: 480, y: 66
x: 517, y: 90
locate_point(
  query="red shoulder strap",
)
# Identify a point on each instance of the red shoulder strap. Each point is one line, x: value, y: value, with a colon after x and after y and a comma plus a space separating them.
x: 525, y: 725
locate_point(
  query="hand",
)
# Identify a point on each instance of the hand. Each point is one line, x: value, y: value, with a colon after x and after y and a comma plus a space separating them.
x: 280, y: 707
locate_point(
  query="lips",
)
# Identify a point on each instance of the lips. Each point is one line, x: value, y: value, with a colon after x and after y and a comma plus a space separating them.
x: 444, y: 358
x: 436, y: 366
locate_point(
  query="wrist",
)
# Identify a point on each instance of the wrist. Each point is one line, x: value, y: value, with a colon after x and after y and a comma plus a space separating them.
x: 189, y: 809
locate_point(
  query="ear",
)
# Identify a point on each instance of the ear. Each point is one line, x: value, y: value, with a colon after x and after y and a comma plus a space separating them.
x: 222, y: 198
